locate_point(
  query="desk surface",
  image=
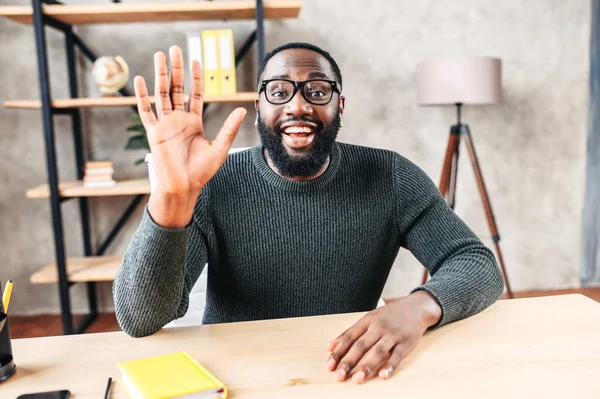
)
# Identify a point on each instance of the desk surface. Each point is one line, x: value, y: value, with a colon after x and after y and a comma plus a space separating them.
x: 521, y: 348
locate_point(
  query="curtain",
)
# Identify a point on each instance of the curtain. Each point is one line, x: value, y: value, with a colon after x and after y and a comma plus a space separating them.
x: 590, y: 271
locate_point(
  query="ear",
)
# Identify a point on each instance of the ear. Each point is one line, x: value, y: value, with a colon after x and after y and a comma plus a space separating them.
x: 256, y: 104
x: 342, y: 104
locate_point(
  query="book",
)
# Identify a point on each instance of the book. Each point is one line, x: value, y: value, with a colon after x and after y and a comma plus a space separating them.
x: 98, y: 171
x: 175, y: 375
x: 99, y: 164
x: 97, y: 184
x: 96, y: 178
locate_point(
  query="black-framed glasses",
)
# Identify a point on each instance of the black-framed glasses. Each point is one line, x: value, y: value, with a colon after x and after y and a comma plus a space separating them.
x: 315, y: 91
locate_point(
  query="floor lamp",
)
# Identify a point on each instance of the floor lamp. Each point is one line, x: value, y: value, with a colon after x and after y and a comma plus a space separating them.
x: 458, y: 81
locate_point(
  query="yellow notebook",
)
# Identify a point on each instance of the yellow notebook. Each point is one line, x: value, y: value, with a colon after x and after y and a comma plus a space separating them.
x: 175, y: 375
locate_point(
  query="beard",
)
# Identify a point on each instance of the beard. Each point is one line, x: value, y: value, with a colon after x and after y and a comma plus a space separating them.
x: 305, y: 165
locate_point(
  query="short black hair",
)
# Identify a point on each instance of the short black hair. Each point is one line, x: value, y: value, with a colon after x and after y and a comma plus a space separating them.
x: 295, y: 45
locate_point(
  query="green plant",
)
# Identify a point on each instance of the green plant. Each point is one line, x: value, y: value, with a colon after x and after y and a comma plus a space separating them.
x: 138, y: 141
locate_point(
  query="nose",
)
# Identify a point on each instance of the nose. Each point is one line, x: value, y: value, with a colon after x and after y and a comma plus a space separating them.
x: 298, y: 106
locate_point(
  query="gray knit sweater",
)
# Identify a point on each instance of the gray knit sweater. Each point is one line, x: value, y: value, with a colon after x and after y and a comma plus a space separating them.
x: 277, y: 248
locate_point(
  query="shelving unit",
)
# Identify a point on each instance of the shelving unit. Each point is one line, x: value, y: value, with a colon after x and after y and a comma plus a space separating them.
x: 72, y: 103
x: 80, y: 270
x: 92, y: 266
x: 72, y: 189
x: 85, y: 14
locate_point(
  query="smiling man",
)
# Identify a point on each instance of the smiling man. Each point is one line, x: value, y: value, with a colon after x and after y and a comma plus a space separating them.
x: 299, y: 225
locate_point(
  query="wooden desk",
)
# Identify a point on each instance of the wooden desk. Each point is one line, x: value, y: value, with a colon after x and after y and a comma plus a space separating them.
x: 522, y: 348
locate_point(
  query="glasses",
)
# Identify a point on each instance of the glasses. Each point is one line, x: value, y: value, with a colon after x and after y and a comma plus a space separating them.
x: 315, y: 91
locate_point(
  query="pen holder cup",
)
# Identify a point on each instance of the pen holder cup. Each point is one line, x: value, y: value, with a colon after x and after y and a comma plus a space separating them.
x: 7, y: 365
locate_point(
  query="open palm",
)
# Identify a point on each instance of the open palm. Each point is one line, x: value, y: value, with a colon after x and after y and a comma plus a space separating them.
x: 184, y: 160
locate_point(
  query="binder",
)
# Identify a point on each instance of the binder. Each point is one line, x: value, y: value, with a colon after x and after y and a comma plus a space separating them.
x: 227, y: 61
x: 210, y: 63
x: 194, y: 43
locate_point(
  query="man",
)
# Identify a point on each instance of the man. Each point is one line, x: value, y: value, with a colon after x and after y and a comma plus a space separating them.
x: 300, y: 225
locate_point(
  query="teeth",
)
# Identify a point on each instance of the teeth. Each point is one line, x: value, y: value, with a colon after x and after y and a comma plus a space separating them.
x: 298, y: 129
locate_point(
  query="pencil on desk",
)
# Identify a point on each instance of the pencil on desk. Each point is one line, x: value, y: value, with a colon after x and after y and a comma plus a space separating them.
x: 6, y: 296
x: 108, y: 385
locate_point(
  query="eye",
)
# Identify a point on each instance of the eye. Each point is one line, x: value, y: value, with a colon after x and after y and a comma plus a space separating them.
x: 279, y: 93
x: 317, y: 94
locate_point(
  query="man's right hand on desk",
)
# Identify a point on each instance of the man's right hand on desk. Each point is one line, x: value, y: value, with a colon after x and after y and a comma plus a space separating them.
x: 184, y: 160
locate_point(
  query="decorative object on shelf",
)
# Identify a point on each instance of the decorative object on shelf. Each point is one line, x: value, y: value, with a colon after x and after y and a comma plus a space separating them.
x: 457, y: 81
x: 138, y: 141
x: 98, y: 174
x: 110, y: 74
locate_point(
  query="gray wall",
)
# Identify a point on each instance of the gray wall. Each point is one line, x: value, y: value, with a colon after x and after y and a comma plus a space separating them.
x: 531, y: 147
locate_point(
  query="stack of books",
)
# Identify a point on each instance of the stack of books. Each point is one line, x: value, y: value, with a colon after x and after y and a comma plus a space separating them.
x: 98, y: 174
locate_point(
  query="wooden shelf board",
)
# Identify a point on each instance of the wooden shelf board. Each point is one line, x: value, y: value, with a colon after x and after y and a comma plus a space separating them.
x: 120, y: 101
x: 80, y: 14
x: 92, y: 268
x: 76, y: 189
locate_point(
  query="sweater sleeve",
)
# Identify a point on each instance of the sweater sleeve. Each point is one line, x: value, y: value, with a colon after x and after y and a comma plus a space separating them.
x: 159, y: 269
x: 465, y: 276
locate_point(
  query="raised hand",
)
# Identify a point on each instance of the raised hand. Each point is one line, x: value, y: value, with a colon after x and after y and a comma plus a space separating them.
x: 184, y: 160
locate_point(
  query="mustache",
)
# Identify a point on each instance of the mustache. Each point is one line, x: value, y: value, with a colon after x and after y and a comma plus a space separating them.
x: 318, y: 124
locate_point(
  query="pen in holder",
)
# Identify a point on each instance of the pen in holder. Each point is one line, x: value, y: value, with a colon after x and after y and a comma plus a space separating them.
x: 7, y: 365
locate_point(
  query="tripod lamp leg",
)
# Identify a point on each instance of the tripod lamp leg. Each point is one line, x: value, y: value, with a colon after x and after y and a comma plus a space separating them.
x: 487, y: 207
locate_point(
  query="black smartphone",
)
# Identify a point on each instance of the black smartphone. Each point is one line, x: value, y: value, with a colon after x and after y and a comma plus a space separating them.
x: 64, y: 394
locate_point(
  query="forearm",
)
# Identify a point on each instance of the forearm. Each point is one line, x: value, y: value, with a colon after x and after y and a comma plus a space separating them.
x: 465, y: 276
x: 149, y: 285
x: 466, y: 283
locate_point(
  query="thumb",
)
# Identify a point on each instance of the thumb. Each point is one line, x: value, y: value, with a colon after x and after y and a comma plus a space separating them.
x: 229, y: 130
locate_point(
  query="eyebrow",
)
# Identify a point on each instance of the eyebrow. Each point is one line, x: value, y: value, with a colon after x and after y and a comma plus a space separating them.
x: 317, y: 75
x: 310, y: 76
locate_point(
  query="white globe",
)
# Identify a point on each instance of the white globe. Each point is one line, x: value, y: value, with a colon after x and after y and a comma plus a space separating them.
x: 110, y: 73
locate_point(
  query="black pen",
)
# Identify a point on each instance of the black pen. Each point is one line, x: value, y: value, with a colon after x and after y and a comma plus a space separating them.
x: 108, y: 385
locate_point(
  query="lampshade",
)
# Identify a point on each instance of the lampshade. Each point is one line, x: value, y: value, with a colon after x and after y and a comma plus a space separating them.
x: 466, y: 80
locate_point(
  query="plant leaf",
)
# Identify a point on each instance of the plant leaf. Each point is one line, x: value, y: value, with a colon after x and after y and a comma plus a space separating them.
x: 136, y: 117
x: 138, y: 142
x: 136, y: 128
x: 139, y: 161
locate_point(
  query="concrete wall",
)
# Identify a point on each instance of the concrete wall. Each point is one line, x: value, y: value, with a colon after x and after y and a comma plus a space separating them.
x: 531, y: 147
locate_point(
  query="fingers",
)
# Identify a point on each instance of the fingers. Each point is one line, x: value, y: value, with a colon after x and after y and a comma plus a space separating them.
x: 161, y: 84
x: 348, y: 356
x: 375, y: 357
x: 196, y: 101
x: 230, y: 128
x: 332, y: 344
x: 143, y: 102
x: 396, y: 357
x: 345, y: 341
x: 177, y: 77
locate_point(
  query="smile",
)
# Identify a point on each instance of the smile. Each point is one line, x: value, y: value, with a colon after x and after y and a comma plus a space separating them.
x: 298, y: 131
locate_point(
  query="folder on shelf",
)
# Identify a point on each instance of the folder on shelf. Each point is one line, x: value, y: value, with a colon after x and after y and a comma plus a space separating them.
x: 210, y: 63
x: 173, y: 375
x: 227, y: 61
x: 194, y: 53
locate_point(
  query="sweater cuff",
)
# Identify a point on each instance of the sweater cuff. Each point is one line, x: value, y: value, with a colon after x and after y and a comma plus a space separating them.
x: 447, y: 299
x: 165, y: 242
x: 147, y: 218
